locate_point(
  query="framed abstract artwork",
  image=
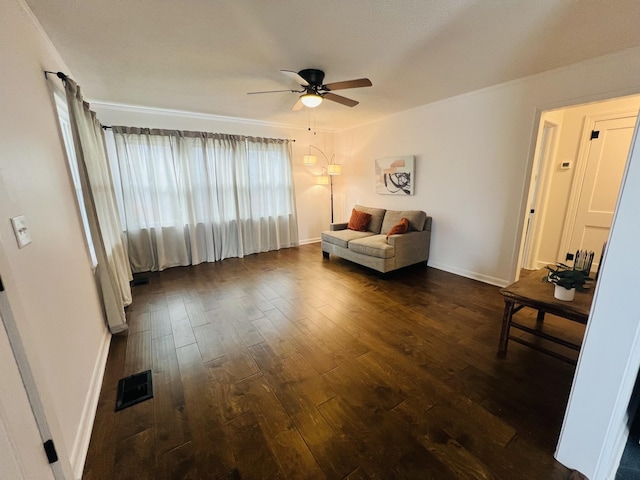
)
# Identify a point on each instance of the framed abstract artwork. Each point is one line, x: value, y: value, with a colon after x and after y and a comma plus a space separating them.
x: 395, y: 175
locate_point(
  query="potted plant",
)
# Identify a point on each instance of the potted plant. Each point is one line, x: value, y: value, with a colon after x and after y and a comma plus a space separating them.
x: 566, y: 280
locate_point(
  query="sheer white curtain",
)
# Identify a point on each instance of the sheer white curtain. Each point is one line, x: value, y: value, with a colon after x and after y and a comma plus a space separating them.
x: 193, y: 197
x: 113, y: 268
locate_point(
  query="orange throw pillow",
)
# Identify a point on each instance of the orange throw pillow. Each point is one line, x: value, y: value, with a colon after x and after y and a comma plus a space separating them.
x: 359, y: 221
x: 401, y: 227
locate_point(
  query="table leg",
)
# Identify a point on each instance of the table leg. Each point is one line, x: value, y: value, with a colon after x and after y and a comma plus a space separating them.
x: 540, y: 317
x: 506, y: 325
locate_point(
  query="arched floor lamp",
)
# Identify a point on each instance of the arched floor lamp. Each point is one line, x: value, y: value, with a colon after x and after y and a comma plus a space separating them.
x: 332, y: 169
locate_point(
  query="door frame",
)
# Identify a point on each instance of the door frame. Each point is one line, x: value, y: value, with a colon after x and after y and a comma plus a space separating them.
x: 539, y: 190
x: 610, y: 444
x: 581, y: 169
x: 40, y: 405
x: 19, y: 432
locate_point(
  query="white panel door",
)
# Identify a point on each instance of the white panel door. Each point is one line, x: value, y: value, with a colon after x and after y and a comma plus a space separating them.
x: 22, y: 455
x: 603, y: 173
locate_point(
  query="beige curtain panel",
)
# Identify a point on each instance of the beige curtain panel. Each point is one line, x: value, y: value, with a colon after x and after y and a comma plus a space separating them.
x: 114, y: 272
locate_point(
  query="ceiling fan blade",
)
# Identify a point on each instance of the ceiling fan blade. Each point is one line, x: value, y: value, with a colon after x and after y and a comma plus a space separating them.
x: 340, y: 99
x: 298, y: 105
x: 295, y: 77
x: 276, y: 91
x: 360, y: 82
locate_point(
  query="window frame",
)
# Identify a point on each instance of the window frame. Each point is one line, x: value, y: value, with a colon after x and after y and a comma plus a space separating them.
x: 66, y: 134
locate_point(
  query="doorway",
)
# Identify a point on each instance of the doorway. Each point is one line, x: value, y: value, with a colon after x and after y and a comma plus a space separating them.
x: 561, y: 215
x: 538, y: 193
x: 597, y: 184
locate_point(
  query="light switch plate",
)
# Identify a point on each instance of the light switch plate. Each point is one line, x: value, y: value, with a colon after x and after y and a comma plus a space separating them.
x: 20, y: 229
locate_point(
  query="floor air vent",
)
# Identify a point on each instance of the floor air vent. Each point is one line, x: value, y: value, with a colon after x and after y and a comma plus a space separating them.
x: 136, y: 282
x: 134, y: 389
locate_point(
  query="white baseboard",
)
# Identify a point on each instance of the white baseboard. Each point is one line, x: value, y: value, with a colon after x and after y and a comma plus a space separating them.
x: 499, y: 282
x: 544, y: 264
x: 309, y: 240
x: 80, y: 448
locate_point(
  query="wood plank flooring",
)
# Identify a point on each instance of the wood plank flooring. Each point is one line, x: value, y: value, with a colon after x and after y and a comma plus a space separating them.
x: 285, y: 365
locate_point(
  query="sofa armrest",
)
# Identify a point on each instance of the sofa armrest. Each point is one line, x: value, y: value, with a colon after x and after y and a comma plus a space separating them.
x: 337, y: 226
x: 411, y: 247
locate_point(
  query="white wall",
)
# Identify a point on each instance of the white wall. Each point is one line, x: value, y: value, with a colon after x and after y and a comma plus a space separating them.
x: 49, y: 283
x: 473, y: 160
x: 312, y: 200
x: 560, y: 181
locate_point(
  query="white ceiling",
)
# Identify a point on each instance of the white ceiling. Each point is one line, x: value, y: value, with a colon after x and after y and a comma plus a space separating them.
x: 205, y: 55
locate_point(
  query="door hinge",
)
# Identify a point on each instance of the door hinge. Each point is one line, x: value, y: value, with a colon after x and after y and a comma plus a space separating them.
x: 1, y: 285
x: 595, y: 134
x: 50, y: 450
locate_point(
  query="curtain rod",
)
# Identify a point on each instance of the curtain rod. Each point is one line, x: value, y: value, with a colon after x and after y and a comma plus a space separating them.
x: 60, y: 75
x: 105, y: 127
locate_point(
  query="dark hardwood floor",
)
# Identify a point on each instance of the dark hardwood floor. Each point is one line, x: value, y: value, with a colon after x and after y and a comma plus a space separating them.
x: 285, y: 365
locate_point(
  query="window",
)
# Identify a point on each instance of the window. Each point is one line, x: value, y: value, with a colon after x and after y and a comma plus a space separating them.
x: 190, y: 197
x: 67, y: 136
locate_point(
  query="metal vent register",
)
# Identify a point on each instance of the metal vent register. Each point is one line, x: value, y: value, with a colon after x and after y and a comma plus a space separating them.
x: 134, y: 389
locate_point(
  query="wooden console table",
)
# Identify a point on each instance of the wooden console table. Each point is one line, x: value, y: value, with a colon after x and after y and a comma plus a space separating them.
x: 532, y: 292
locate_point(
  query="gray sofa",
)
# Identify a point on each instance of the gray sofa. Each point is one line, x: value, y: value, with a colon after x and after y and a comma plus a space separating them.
x: 372, y: 249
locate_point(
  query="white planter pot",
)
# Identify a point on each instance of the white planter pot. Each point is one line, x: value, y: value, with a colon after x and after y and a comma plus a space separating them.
x: 565, y: 294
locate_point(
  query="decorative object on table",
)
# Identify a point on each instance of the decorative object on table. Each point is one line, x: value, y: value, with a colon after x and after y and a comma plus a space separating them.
x: 566, y: 281
x: 583, y: 260
x: 395, y: 175
x: 332, y: 169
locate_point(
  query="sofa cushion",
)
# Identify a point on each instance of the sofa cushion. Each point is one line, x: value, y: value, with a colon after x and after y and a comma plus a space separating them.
x: 341, y: 238
x: 374, y: 246
x: 359, y: 221
x: 377, y: 215
x: 416, y: 219
x: 401, y: 227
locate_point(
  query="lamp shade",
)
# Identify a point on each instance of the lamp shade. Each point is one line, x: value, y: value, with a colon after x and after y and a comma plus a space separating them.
x: 322, y: 180
x: 309, y: 160
x: 334, y: 169
x: 311, y: 100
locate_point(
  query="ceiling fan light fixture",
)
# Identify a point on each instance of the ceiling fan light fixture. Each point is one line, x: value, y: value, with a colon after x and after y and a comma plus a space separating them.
x: 311, y: 100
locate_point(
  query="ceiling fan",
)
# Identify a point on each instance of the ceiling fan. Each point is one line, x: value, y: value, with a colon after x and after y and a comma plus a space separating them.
x: 314, y: 91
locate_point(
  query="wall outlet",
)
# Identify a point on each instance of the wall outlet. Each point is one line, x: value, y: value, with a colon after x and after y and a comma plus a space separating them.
x: 23, y: 236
